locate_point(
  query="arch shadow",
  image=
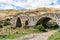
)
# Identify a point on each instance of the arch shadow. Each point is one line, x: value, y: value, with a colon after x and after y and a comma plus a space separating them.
x: 18, y: 22
x: 26, y: 22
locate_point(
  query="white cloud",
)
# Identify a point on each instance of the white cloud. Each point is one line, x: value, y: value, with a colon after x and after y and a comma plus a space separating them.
x: 33, y: 3
x: 28, y: 4
x: 9, y: 7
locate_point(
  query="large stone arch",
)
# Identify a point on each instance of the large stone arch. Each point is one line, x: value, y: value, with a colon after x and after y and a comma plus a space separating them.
x: 50, y: 17
x: 43, y: 20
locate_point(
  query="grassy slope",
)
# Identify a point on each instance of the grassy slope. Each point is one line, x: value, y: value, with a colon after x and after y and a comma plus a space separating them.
x: 16, y: 33
x: 55, y: 36
x: 4, y: 13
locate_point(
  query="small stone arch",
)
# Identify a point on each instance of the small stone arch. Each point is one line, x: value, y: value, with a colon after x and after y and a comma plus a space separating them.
x: 18, y: 22
x: 26, y: 22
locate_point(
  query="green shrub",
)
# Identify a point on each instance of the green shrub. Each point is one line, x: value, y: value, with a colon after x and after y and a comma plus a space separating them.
x: 40, y: 27
x: 55, y: 36
x: 54, y: 26
x: 6, y: 23
x: 7, y: 19
x: 1, y: 26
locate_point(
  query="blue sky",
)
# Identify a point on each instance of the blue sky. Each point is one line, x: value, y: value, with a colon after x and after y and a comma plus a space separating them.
x: 28, y: 4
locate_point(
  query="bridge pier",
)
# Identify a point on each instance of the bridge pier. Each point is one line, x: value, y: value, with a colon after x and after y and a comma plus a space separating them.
x: 58, y: 22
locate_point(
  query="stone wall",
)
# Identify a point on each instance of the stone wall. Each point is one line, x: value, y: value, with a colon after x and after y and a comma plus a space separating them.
x: 33, y: 18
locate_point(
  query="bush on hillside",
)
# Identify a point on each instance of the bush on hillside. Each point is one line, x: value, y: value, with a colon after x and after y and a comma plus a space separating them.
x: 54, y: 26
x: 1, y: 26
x: 6, y: 23
x: 40, y: 27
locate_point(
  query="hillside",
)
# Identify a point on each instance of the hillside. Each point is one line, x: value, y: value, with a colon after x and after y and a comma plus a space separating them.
x: 10, y: 13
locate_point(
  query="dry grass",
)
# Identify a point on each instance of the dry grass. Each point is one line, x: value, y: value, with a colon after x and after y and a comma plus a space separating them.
x: 8, y: 32
x: 10, y: 13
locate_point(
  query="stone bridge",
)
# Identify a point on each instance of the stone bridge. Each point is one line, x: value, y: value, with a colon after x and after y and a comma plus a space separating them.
x: 32, y: 19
